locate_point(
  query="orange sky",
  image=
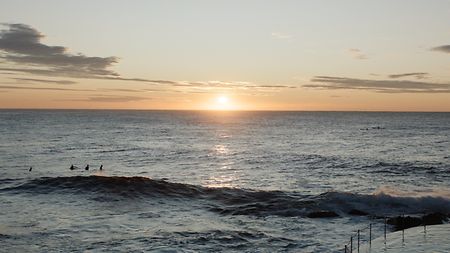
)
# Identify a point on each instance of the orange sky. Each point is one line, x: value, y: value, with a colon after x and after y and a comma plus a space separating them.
x: 295, y: 55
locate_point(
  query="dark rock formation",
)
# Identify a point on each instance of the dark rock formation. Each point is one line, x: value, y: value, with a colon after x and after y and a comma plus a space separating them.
x: 404, y: 222
x: 434, y: 219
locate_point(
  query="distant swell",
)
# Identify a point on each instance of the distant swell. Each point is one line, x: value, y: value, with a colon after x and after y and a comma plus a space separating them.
x: 235, y: 201
x: 408, y: 167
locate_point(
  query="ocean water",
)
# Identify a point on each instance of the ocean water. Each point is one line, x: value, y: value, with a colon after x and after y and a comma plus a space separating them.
x: 191, y: 181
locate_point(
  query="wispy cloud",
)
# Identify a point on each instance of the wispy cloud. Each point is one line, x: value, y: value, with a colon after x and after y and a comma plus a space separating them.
x: 227, y: 85
x: 357, y: 54
x: 34, y: 80
x: 12, y: 87
x: 417, y: 75
x: 443, y: 49
x: 385, y: 86
x: 111, y: 99
x: 281, y: 36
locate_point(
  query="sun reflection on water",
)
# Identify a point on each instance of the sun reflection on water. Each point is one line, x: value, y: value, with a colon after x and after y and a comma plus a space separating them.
x: 222, y: 179
x: 225, y: 175
x: 221, y: 149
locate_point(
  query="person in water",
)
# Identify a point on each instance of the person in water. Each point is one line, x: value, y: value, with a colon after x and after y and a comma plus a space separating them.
x: 72, y: 167
x: 101, y: 167
x: 87, y: 167
x: 31, y: 168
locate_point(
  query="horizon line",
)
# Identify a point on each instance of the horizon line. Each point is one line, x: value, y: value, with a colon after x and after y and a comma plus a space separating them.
x: 206, y: 110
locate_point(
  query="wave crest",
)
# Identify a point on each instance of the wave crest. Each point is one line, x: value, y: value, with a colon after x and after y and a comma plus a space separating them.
x: 235, y: 201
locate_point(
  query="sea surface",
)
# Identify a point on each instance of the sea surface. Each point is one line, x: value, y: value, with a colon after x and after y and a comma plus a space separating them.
x: 199, y: 181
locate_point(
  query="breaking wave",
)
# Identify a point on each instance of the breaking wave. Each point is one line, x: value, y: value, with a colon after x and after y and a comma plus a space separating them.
x: 236, y: 201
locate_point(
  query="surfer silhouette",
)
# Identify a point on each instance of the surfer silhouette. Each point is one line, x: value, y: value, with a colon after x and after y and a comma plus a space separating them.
x: 31, y: 168
x: 87, y: 167
x: 101, y: 167
x: 72, y: 167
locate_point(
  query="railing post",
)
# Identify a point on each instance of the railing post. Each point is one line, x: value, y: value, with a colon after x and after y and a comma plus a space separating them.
x: 403, y: 228
x: 358, y: 239
x: 370, y: 234
x: 351, y: 244
x: 424, y: 228
x: 385, y: 227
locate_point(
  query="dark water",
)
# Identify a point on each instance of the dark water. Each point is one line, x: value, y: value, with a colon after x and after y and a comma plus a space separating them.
x: 213, y: 181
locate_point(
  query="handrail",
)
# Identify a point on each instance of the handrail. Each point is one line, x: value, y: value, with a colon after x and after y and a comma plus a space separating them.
x: 348, y: 247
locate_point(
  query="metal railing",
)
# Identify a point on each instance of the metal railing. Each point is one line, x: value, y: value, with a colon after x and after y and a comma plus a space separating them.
x: 357, y: 238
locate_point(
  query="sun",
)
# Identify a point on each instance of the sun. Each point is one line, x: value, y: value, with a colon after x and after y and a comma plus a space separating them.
x: 223, y: 100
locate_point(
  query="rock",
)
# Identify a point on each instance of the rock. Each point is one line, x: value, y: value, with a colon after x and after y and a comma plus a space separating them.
x: 322, y: 214
x: 409, y: 222
x: 404, y: 222
x: 357, y: 212
x: 434, y: 219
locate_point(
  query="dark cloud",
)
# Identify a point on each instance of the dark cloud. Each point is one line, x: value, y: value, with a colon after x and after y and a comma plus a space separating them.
x: 63, y: 82
x: 443, y: 48
x: 22, y: 39
x: 417, y: 75
x: 385, y: 86
x: 22, y: 45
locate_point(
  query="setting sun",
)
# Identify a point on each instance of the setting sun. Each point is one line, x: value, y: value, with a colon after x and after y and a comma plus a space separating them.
x: 222, y: 100
x: 223, y: 103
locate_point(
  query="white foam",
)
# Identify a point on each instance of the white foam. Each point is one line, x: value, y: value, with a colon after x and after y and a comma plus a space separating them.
x: 418, y: 193
x: 390, y: 201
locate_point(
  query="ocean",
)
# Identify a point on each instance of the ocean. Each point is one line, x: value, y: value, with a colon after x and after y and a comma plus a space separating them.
x: 213, y: 181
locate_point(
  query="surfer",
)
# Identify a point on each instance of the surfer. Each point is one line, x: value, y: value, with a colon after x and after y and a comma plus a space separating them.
x: 87, y: 167
x: 72, y: 167
x: 31, y: 168
x: 101, y: 167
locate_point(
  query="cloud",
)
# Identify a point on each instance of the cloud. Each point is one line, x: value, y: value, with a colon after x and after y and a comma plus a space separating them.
x: 281, y: 36
x: 357, y: 54
x: 443, y: 48
x: 63, y: 82
x: 22, y: 45
x: 121, y: 90
x: 112, y: 99
x: 384, y: 86
x: 229, y: 85
x: 11, y: 87
x: 417, y: 75
x: 22, y: 52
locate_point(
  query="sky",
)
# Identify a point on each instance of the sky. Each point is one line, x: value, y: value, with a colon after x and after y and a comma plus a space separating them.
x: 346, y: 55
